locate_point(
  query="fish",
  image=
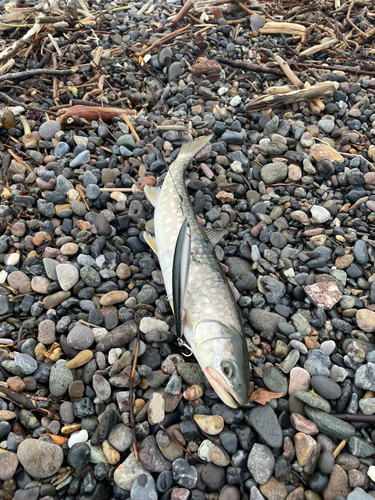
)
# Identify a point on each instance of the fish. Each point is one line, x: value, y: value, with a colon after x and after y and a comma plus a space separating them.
x: 212, y: 325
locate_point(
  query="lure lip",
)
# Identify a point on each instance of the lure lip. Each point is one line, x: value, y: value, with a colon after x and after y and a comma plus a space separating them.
x: 222, y: 388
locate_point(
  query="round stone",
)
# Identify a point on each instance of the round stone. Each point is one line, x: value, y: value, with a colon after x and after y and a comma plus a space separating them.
x: 67, y: 276
x: 39, y: 458
x: 80, y: 337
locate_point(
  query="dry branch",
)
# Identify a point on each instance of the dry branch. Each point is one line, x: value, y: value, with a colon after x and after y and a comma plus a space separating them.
x: 323, y: 89
x: 91, y: 113
x: 164, y: 39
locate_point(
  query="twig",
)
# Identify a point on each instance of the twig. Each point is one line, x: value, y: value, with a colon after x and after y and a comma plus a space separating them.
x: 131, y: 402
x: 180, y: 445
x: 338, y: 448
x: 183, y: 11
x: 24, y: 75
x: 293, y: 184
x: 348, y: 417
x: 19, y: 160
x: 132, y: 129
x: 163, y: 39
x: 230, y: 461
x: 345, y: 69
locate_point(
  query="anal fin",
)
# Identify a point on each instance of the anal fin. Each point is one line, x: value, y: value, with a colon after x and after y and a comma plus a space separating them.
x: 151, y: 242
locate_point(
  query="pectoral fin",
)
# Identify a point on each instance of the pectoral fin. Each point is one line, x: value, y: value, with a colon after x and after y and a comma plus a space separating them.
x: 152, y: 194
x: 215, y: 235
x: 151, y: 242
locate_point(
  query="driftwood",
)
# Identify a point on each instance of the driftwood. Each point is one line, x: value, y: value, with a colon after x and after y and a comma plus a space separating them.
x: 21, y: 43
x: 25, y: 75
x: 51, y: 48
x: 91, y: 113
x: 183, y: 11
x: 317, y: 48
x: 282, y: 89
x: 284, y: 28
x: 324, y: 89
x: 250, y: 67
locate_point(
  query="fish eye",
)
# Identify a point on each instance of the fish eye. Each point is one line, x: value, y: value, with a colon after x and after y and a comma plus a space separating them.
x: 228, y: 369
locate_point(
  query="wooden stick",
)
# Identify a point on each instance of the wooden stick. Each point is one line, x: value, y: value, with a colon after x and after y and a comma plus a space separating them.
x: 288, y: 72
x: 338, y: 449
x: 132, y: 129
x: 116, y: 190
x: 165, y: 38
x: 316, y: 105
x: 183, y: 11
x: 322, y: 89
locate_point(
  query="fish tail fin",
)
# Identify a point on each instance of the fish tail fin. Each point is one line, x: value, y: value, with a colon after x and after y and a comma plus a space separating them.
x: 192, y: 148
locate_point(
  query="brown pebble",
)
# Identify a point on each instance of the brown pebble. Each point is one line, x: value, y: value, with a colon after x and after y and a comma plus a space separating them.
x: 41, y: 237
x: 81, y: 359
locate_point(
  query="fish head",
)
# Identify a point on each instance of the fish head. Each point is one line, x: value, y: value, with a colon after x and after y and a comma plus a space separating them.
x: 222, y: 354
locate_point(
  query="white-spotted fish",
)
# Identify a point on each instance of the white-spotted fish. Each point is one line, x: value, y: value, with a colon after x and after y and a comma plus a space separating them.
x: 211, y: 325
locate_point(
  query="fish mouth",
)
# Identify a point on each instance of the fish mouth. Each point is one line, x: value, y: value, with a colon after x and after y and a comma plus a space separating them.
x: 221, y: 387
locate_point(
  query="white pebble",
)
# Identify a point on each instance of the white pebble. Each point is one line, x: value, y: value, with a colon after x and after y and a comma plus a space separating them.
x: 236, y: 166
x: 99, y: 261
x: 371, y: 472
x: 78, y: 437
x: 3, y: 276
x: 255, y: 255
x: 289, y: 273
x: 114, y: 354
x: 320, y: 214
x: 222, y: 90
x: 13, y: 259
x: 235, y: 101
x: 147, y: 325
